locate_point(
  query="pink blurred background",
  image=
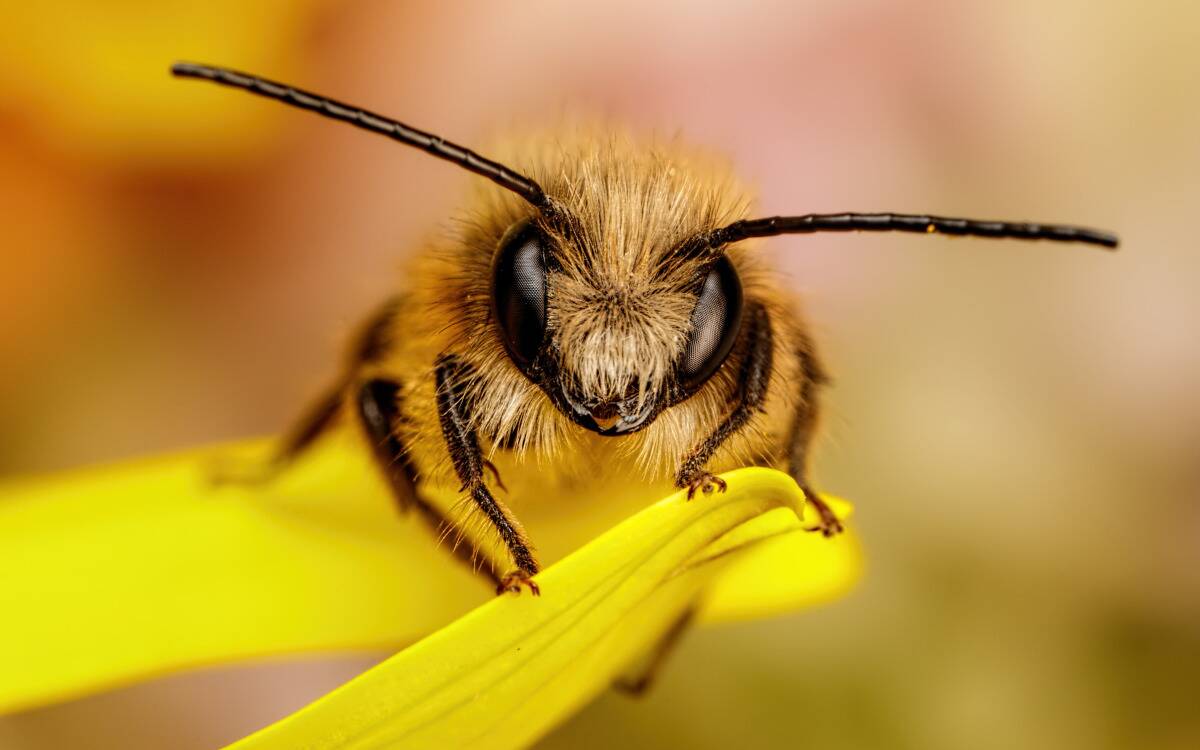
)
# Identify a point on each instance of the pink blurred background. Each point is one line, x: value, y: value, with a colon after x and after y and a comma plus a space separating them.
x: 1017, y: 423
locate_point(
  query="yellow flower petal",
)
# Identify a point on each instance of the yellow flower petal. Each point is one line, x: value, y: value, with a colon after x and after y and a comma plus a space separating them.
x: 509, y: 671
x: 94, y: 74
x: 785, y: 573
x: 113, y: 575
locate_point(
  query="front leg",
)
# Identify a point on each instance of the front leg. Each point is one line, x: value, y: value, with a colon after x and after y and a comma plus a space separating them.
x: 469, y: 464
x: 378, y: 409
x: 803, y: 429
x: 752, y: 392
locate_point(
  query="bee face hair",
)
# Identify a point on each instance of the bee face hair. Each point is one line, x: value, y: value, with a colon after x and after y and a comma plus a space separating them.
x: 608, y: 312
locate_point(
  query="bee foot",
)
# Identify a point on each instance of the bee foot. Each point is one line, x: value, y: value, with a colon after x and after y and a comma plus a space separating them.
x: 828, y: 524
x: 515, y: 580
x: 705, y: 482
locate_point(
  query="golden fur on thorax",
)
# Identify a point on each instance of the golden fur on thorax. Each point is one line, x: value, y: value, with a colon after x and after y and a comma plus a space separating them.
x: 619, y: 309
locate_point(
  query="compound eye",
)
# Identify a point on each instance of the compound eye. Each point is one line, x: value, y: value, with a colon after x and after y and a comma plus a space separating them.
x: 715, y: 323
x: 519, y: 293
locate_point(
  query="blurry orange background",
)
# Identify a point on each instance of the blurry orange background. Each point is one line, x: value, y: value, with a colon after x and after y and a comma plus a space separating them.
x: 1018, y: 423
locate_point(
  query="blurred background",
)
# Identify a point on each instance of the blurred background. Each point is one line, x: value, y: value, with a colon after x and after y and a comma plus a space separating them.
x: 1017, y: 423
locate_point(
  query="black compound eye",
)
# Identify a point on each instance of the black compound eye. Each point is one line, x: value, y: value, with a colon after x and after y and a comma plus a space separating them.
x: 715, y: 323
x: 519, y: 293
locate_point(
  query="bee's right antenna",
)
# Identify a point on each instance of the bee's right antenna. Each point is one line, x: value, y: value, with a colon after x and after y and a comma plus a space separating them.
x: 361, y: 118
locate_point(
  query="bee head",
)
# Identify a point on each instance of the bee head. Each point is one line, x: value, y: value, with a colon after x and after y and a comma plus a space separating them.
x: 612, y: 303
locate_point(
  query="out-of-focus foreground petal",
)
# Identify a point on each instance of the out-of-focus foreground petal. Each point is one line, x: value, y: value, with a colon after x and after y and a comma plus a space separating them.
x: 92, y: 76
x: 109, y: 576
x: 112, y: 575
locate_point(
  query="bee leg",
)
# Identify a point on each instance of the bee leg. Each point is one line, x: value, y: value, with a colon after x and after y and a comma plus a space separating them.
x: 368, y: 346
x: 463, y: 446
x: 637, y: 681
x: 803, y: 429
x: 378, y: 410
x: 752, y: 392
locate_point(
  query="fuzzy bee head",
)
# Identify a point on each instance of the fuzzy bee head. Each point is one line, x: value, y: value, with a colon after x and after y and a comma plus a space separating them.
x: 604, y: 302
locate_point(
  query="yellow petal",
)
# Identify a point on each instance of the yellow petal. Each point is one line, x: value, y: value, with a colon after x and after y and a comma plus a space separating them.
x: 785, y: 573
x: 510, y: 670
x: 95, y: 74
x: 109, y: 576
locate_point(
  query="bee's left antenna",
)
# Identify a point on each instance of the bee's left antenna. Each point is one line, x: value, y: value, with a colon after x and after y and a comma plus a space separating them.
x: 919, y: 223
x: 394, y: 129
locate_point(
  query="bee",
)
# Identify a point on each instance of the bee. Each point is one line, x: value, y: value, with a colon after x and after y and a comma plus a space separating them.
x: 599, y: 310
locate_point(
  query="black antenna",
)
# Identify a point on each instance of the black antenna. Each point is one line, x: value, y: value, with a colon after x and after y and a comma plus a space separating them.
x: 813, y: 223
x: 394, y: 129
